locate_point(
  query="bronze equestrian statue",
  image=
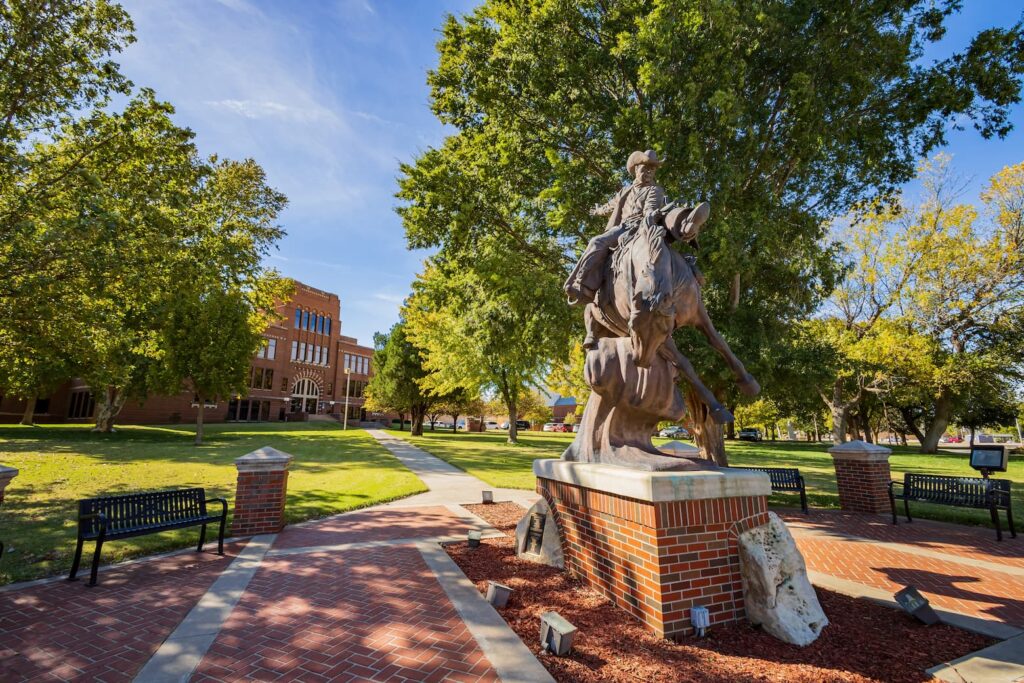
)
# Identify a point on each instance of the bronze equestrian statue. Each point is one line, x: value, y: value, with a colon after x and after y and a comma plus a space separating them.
x: 637, y: 291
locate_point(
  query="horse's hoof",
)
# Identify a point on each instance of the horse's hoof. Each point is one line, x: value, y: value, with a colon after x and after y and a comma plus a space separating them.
x: 721, y: 415
x: 749, y: 386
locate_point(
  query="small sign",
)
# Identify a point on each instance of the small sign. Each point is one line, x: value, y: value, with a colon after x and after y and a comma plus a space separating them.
x: 988, y: 457
x: 535, y: 534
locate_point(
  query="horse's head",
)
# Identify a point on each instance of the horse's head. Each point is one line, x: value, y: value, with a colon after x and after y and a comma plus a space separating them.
x: 649, y: 327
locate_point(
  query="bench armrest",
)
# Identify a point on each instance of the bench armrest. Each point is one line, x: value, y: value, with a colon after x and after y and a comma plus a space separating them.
x: 223, y: 502
x: 894, y: 483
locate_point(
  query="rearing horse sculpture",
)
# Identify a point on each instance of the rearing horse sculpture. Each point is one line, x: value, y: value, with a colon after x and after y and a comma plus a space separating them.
x: 649, y: 290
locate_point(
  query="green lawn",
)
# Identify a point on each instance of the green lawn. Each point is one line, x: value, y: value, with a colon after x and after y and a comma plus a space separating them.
x: 333, y: 471
x: 488, y: 457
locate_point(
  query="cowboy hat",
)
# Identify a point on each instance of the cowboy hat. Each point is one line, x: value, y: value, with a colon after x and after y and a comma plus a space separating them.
x: 648, y: 158
x: 684, y: 222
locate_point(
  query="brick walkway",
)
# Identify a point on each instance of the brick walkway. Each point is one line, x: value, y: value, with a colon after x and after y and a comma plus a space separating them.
x: 959, y: 569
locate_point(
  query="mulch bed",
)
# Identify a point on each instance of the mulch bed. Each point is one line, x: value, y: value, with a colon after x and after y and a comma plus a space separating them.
x: 865, y: 641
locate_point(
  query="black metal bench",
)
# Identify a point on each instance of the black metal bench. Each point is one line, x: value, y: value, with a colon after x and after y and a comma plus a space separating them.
x: 786, y: 479
x: 965, y: 492
x: 136, y: 514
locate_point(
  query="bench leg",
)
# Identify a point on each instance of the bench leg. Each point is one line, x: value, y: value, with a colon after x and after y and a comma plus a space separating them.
x: 77, y: 560
x: 995, y: 521
x: 202, y: 538
x: 220, y: 535
x: 1009, y: 521
x: 803, y: 501
x: 892, y: 504
x: 906, y: 508
x: 95, y: 562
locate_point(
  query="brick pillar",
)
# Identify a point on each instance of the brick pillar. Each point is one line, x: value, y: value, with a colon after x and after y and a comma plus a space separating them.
x: 656, y: 543
x: 6, y: 474
x: 260, y: 492
x: 862, y: 476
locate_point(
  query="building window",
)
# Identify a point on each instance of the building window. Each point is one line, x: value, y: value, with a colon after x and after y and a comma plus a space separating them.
x: 284, y: 384
x: 271, y: 349
x: 295, y: 350
x: 309, y: 353
x: 268, y: 378
x: 81, y: 405
x: 328, y: 332
x: 347, y: 359
x: 305, y: 320
x: 327, y: 355
x: 298, y: 317
x: 302, y: 352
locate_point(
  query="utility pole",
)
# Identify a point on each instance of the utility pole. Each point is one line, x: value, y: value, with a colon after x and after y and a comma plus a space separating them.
x: 348, y: 382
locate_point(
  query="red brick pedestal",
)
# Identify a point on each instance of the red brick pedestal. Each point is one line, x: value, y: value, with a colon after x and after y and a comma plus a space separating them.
x: 862, y: 476
x: 656, y: 543
x: 6, y: 474
x: 260, y: 492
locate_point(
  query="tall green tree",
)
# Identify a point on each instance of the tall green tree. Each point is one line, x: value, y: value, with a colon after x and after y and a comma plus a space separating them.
x: 398, y: 375
x: 779, y: 113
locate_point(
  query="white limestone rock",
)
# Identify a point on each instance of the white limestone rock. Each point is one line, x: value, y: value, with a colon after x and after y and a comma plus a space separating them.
x: 551, y: 544
x: 778, y: 595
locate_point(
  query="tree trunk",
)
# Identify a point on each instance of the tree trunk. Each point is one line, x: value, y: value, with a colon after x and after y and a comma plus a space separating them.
x: 840, y: 411
x: 708, y: 435
x: 416, y: 424
x: 199, y: 422
x: 912, y: 425
x: 730, y: 429
x: 28, y: 418
x: 513, y: 415
x: 455, y: 423
x: 111, y: 400
x: 943, y: 409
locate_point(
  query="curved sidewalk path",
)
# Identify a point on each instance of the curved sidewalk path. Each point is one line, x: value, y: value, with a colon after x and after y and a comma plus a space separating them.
x: 368, y: 595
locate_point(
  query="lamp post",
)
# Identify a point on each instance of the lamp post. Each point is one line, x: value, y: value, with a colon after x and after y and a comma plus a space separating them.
x: 348, y: 381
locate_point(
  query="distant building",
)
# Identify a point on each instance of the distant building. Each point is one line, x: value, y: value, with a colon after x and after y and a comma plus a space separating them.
x: 304, y: 368
x: 562, y: 406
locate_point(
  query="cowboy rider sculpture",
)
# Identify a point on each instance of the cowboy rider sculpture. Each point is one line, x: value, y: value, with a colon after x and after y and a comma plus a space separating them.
x: 637, y: 290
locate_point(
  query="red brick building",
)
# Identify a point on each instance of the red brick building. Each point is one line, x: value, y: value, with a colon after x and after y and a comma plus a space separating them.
x: 304, y: 368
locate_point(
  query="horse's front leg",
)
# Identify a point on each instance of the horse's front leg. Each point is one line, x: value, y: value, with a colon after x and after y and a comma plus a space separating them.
x: 746, y: 382
x: 719, y: 413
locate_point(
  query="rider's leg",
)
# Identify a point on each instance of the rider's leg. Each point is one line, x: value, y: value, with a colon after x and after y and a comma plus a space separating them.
x: 591, y: 265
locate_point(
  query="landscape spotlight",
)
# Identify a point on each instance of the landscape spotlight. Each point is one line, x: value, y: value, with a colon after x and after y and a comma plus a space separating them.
x: 474, y: 539
x: 498, y: 593
x: 488, y: 496
x: 916, y: 604
x: 556, y: 634
x: 700, y: 618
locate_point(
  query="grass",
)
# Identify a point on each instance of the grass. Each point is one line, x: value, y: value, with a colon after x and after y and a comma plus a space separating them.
x: 488, y: 457
x: 332, y: 471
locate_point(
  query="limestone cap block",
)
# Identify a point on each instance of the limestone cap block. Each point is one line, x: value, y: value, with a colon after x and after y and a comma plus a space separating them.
x: 655, y: 487
x: 860, y: 451
x: 266, y: 459
x: 679, y: 448
x: 6, y: 474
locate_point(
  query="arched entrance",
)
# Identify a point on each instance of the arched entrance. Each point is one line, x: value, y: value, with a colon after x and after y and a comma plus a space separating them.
x: 305, y: 396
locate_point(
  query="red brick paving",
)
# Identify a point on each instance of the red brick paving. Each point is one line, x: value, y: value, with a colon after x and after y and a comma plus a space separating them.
x: 374, y: 525
x: 366, y: 614
x: 65, y: 631
x: 974, y: 591
x: 968, y: 541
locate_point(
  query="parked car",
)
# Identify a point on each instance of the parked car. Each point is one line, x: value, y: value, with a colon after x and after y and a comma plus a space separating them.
x: 490, y: 424
x: 674, y: 432
x: 522, y: 424
x: 548, y: 427
x: 504, y: 425
x: 749, y: 435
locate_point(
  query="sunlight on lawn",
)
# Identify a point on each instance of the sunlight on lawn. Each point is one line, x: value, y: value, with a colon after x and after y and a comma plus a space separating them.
x: 333, y: 471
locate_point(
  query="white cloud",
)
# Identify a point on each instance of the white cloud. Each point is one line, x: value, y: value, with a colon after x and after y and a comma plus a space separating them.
x: 260, y: 109
x: 389, y: 298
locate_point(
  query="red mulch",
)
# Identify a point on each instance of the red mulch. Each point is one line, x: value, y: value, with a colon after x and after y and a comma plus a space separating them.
x: 864, y: 642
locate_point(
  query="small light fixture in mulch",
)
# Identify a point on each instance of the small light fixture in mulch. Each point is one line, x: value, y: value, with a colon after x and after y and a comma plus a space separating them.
x: 916, y: 604
x: 498, y: 593
x: 556, y: 634
x: 700, y: 618
x: 488, y: 497
x: 474, y: 539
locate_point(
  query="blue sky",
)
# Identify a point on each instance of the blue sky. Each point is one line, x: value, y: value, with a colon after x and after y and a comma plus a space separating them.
x: 329, y: 96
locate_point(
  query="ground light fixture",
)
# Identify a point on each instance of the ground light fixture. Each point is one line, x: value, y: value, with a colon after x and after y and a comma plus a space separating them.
x: 916, y: 604
x: 498, y: 593
x: 474, y: 539
x: 488, y: 496
x: 556, y: 634
x: 700, y: 618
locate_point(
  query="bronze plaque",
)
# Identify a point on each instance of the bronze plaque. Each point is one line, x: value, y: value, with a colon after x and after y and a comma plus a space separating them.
x: 535, y: 534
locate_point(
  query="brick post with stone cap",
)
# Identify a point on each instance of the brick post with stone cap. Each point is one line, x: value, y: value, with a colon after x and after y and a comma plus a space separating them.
x: 6, y: 474
x: 260, y: 492
x: 862, y: 476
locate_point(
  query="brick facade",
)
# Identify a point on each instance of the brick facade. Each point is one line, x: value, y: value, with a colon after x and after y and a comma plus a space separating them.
x: 260, y: 492
x: 319, y: 355
x: 862, y: 476
x: 656, y: 560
